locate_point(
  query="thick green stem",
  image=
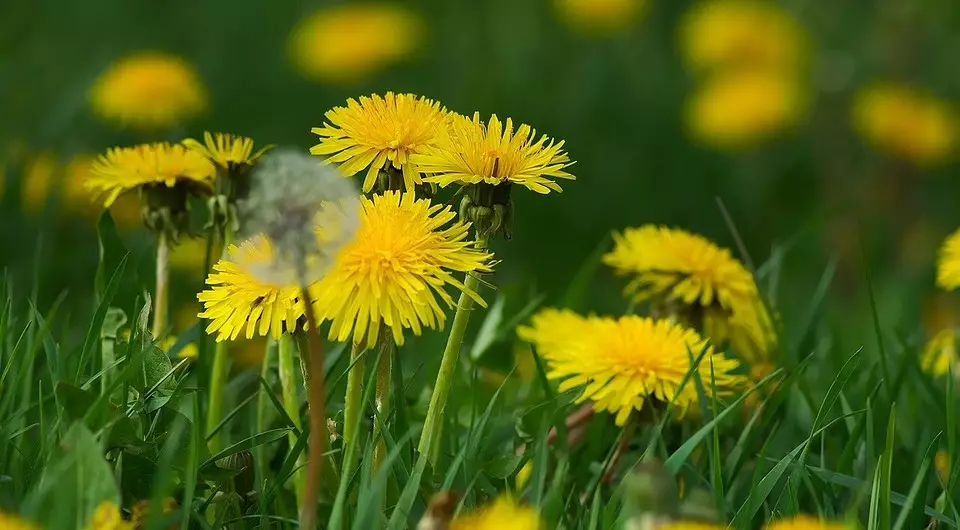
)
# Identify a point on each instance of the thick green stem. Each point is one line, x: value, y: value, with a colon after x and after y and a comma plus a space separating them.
x: 353, y: 410
x: 218, y: 380
x: 382, y: 395
x: 433, y: 424
x: 286, y: 367
x: 163, y: 274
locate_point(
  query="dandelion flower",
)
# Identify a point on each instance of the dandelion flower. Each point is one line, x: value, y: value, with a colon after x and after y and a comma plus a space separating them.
x: 376, y: 130
x: 737, y: 109
x: 227, y: 151
x: 392, y: 273
x: 940, y: 354
x: 38, y: 178
x: 12, y: 522
x: 620, y: 363
x: 804, y: 522
x: 351, y: 41
x: 503, y: 514
x: 237, y: 302
x: 149, y: 90
x: 740, y: 34
x: 75, y: 196
x: 948, y: 263
x: 600, y: 16
x: 470, y: 152
x: 107, y: 517
x: 124, y: 169
x: 941, y: 463
x: 906, y: 123
x: 675, y: 266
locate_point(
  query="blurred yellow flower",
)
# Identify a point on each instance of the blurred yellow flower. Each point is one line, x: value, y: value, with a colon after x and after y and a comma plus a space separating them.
x: 107, y: 517
x: 191, y: 253
x: 391, y: 274
x: 148, y: 90
x: 37, y: 180
x: 804, y: 522
x: 752, y: 34
x: 9, y: 521
x: 124, y: 169
x: 941, y: 464
x: 620, y: 363
x: 948, y: 262
x: 503, y: 514
x: 672, y: 266
x: 76, y: 198
x: 906, y: 122
x: 126, y: 212
x: 227, y: 151
x: 600, y: 16
x: 376, y: 130
x: 347, y: 42
x: 940, y: 353
x: 188, y: 351
x: 740, y: 108
x: 470, y: 152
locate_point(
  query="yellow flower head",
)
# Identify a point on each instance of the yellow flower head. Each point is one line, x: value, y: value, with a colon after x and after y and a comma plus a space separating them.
x: 161, y: 164
x: 107, y: 517
x: 600, y: 16
x: 376, y: 130
x: 347, y: 42
x: 948, y: 263
x: 753, y: 34
x: 804, y: 522
x: 226, y: 150
x: 238, y: 301
x: 740, y: 108
x: 148, y: 90
x: 906, y: 123
x: 503, y: 514
x: 469, y: 152
x: 12, y: 522
x: 38, y: 178
x: 620, y: 363
x: 675, y: 266
x: 400, y: 261
x: 940, y: 354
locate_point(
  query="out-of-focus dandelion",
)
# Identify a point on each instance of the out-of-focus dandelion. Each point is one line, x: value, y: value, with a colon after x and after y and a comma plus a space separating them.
x: 9, y: 521
x: 595, y: 17
x: 504, y: 513
x: 741, y: 108
x: 752, y: 34
x: 806, y: 522
x: 948, y: 263
x: 148, y: 90
x: 942, y: 466
x: 107, y: 517
x: 692, y: 279
x: 940, y: 353
x: 378, y: 133
x: 906, y: 122
x: 348, y: 42
x: 621, y: 363
x: 191, y: 254
x: 38, y: 178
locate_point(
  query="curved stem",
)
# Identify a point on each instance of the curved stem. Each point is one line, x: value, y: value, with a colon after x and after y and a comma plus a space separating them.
x: 286, y: 369
x: 353, y: 410
x: 382, y: 398
x: 433, y: 424
x: 316, y: 394
x: 163, y: 275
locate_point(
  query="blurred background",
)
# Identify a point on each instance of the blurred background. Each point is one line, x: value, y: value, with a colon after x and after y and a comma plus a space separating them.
x: 827, y: 130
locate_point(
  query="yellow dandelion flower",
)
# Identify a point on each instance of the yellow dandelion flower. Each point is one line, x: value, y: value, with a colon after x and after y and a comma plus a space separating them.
x: 75, y: 196
x: 347, y: 42
x: 367, y: 134
x: 503, y: 514
x: 227, y: 151
x: 9, y: 521
x: 805, y: 522
x: 948, y: 263
x: 148, y: 90
x: 740, y: 108
x: 107, y: 517
x: 940, y: 354
x: 907, y: 123
x: 741, y: 34
x: 600, y: 16
x: 188, y: 351
x: 161, y: 164
x: 237, y: 301
x: 672, y: 265
x: 469, y: 152
x: 391, y: 274
x: 38, y: 179
x: 941, y: 463
x: 620, y: 363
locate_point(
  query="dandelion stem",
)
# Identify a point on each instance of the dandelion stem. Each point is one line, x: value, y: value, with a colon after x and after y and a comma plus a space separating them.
x: 218, y: 374
x: 316, y: 394
x: 163, y: 274
x: 288, y: 390
x: 433, y: 424
x: 262, y: 400
x: 353, y: 409
x: 382, y: 399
